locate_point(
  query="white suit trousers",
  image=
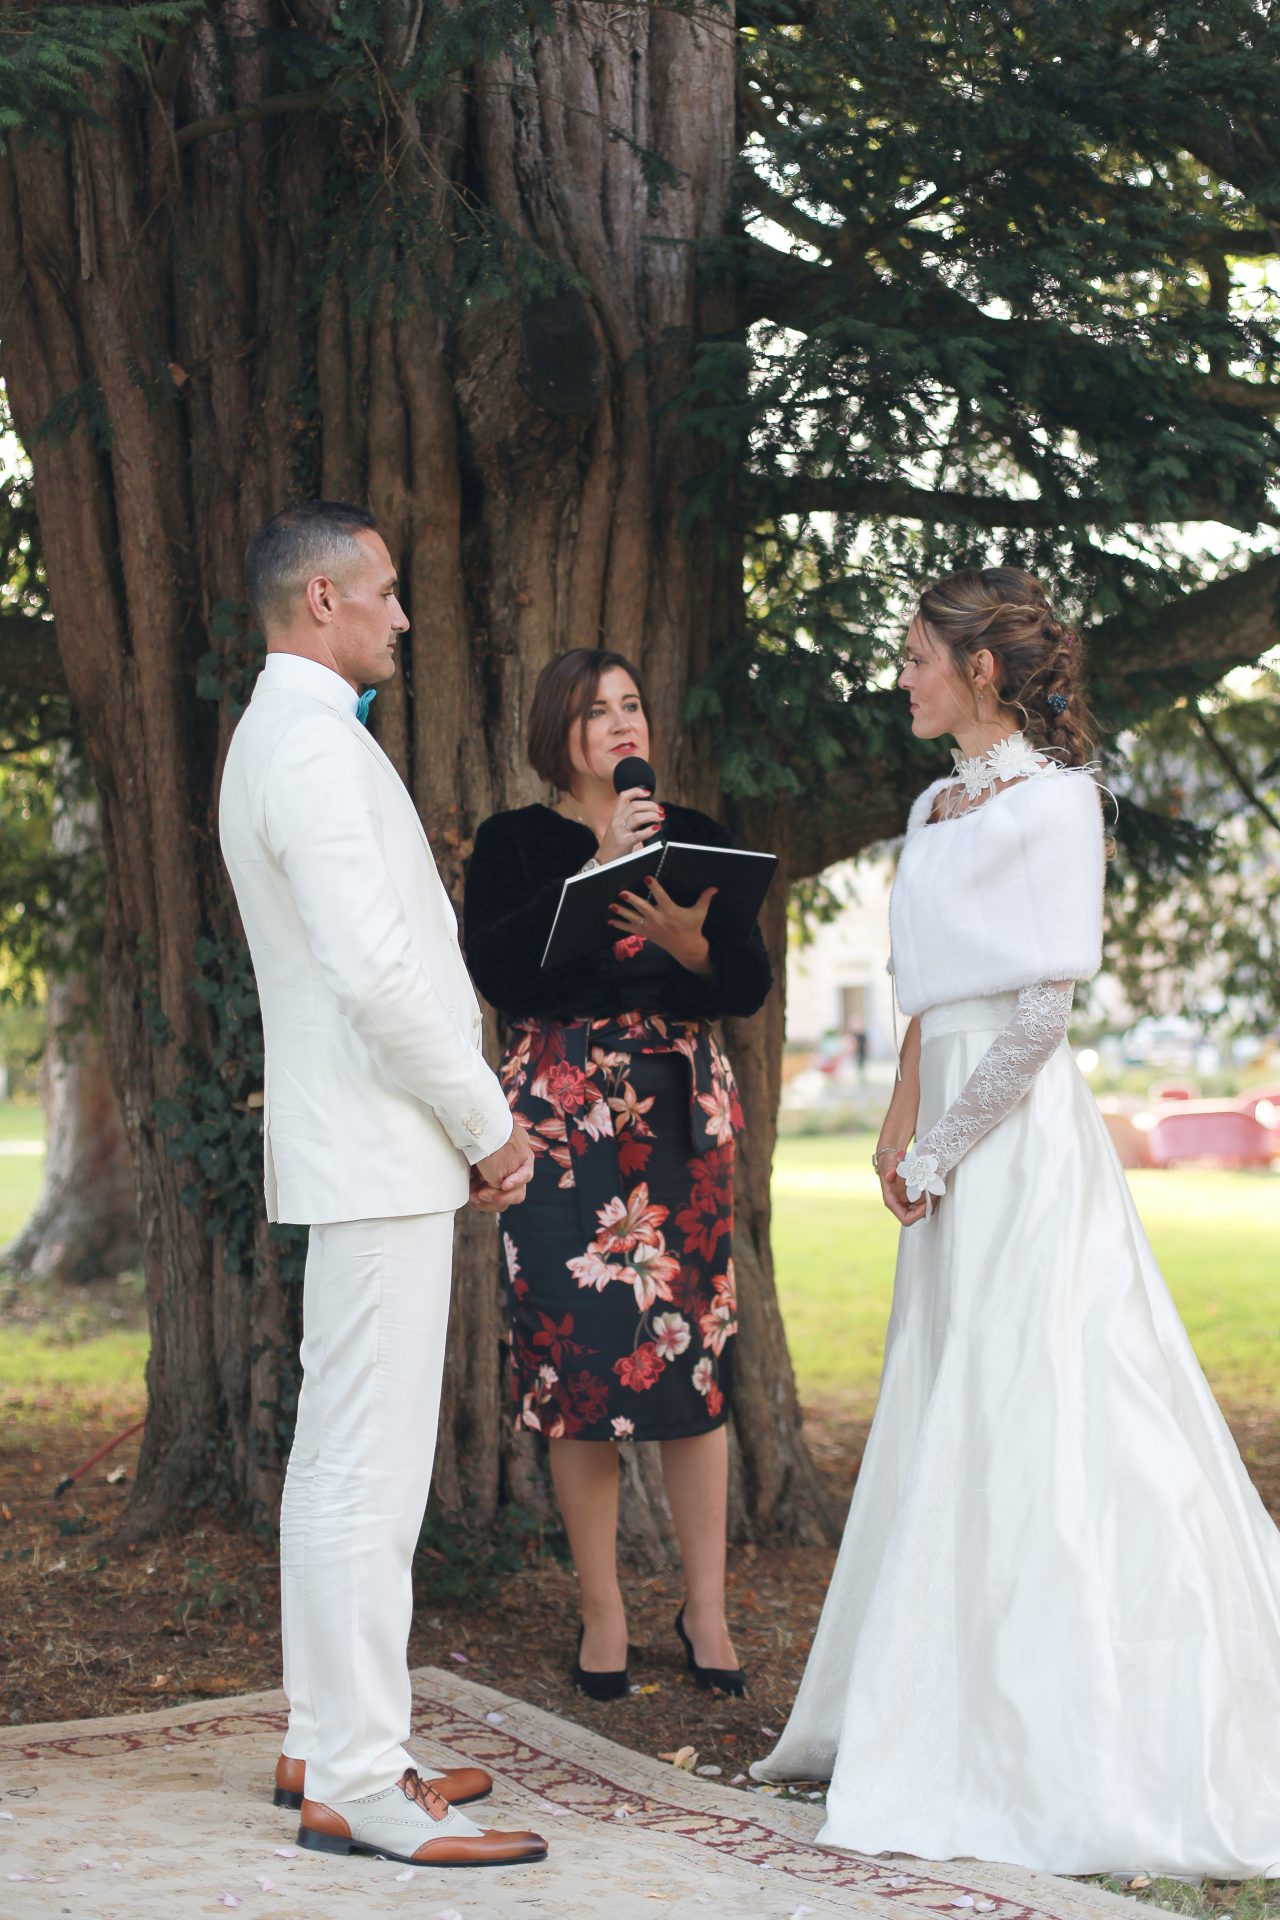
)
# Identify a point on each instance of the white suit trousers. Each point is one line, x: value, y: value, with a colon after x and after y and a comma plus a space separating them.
x: 375, y: 1312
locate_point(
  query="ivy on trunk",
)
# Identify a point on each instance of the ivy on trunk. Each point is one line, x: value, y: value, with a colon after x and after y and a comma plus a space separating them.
x: 513, y: 276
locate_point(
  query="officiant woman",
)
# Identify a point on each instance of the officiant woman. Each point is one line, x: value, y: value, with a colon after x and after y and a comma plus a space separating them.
x: 618, y: 1268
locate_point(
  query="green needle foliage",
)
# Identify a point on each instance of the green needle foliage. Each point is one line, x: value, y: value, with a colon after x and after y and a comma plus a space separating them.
x: 1003, y: 266
x: 51, y: 901
x: 1211, y: 943
x: 48, y: 54
x: 994, y: 287
x: 1001, y: 290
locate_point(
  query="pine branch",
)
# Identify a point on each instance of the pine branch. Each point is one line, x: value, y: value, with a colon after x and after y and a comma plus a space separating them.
x: 804, y: 295
x: 783, y: 211
x: 1249, y: 395
x: 897, y: 499
x: 1230, y: 622
x: 1235, y: 772
x: 844, y: 243
x: 785, y: 288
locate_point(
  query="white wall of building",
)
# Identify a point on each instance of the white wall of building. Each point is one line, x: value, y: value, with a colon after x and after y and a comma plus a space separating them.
x: 839, y: 978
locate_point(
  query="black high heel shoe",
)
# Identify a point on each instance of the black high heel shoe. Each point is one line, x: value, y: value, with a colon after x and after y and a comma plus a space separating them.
x: 598, y: 1686
x: 723, y: 1679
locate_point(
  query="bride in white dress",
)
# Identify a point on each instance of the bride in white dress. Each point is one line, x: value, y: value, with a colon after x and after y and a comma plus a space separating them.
x: 1052, y: 1636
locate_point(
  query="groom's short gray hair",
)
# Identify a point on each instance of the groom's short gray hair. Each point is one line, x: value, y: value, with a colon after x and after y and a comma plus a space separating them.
x: 296, y: 544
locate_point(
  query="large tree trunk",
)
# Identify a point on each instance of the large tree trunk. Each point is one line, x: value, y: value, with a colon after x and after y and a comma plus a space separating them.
x: 83, y: 1226
x: 528, y: 469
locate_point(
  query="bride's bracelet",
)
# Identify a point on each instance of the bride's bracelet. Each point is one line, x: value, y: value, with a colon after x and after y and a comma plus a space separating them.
x: 879, y: 1154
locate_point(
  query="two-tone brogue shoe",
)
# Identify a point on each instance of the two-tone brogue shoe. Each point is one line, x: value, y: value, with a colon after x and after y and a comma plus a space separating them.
x: 411, y: 1822
x: 458, y: 1785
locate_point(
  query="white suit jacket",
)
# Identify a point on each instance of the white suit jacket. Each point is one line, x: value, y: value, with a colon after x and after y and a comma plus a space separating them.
x: 377, y: 1095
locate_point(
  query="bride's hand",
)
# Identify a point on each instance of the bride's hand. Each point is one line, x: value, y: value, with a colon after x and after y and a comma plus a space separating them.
x: 894, y: 1193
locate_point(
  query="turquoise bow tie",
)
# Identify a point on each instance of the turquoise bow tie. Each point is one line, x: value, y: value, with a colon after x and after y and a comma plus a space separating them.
x: 363, y: 705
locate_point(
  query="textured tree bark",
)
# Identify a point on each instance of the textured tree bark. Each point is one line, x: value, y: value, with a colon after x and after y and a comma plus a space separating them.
x: 194, y: 332
x: 84, y: 1225
x: 528, y: 470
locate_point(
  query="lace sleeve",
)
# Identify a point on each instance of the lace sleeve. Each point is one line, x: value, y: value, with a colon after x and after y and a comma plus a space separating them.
x: 999, y: 1081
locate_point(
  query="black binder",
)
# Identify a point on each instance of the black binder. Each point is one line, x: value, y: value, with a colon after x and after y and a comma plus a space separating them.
x: 582, y: 923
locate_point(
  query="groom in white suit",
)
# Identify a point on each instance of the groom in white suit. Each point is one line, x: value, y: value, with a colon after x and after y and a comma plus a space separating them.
x: 381, y: 1118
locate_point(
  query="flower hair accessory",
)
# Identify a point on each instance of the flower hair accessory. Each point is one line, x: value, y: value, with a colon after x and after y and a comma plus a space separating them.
x: 1057, y: 703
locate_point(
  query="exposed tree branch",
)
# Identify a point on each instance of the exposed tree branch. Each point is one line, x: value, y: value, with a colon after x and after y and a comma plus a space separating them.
x: 1249, y: 395
x: 862, y: 805
x: 898, y: 499
x: 248, y: 116
x: 1235, y: 772
x: 166, y: 69
x: 29, y: 657
x: 1244, y: 243
x: 1229, y: 623
x: 803, y: 294
x: 783, y: 211
x: 846, y: 243
x: 835, y: 493
x: 1105, y: 197
x: 787, y: 289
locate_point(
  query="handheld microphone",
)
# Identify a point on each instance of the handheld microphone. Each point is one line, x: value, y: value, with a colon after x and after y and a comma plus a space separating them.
x: 634, y: 772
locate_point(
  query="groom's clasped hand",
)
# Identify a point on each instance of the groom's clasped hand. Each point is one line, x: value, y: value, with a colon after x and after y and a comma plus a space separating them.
x: 499, y: 1180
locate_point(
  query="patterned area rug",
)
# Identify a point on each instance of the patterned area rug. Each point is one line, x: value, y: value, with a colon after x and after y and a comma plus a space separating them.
x: 163, y: 1815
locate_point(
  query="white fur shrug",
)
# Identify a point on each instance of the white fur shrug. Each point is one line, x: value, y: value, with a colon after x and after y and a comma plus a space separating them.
x: 1000, y: 897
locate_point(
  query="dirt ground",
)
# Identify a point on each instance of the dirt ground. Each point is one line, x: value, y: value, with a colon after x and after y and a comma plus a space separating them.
x: 89, y: 1628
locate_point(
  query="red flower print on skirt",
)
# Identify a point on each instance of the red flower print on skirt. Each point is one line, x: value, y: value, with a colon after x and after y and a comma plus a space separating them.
x: 616, y: 1271
x: 566, y: 1086
x: 639, y: 1370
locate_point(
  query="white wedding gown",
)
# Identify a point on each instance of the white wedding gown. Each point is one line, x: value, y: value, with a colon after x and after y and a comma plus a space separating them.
x: 1052, y: 1636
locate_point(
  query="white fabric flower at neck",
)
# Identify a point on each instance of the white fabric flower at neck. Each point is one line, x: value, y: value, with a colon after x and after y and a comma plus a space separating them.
x: 1010, y: 759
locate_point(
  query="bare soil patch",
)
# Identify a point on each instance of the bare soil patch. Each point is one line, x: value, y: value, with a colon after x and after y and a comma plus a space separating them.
x: 89, y: 1628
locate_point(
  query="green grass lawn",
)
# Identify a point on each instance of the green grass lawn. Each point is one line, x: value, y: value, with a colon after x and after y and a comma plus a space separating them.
x: 104, y: 1368
x: 20, y: 1124
x: 68, y: 1360
x: 1216, y: 1235
x: 21, y: 1120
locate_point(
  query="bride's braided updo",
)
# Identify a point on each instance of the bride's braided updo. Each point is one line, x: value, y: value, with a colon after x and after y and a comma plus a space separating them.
x: 1038, y: 659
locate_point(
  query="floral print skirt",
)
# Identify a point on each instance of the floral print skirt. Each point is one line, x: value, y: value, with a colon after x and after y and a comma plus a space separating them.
x: 618, y: 1265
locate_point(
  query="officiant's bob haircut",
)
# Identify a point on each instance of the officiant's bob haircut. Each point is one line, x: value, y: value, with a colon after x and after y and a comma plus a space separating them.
x: 562, y: 697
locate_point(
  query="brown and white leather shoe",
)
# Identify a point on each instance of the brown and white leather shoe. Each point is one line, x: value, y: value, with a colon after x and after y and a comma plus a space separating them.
x: 458, y: 1785
x: 411, y: 1822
